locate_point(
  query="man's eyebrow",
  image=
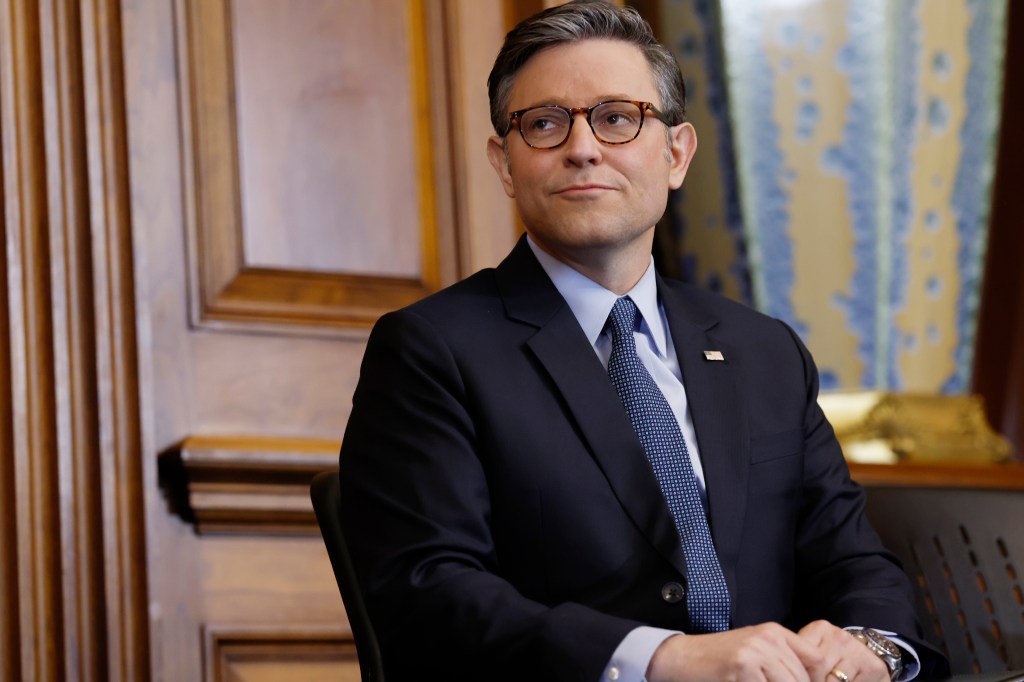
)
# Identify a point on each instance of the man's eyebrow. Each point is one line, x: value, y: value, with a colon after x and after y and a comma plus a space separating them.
x: 556, y: 103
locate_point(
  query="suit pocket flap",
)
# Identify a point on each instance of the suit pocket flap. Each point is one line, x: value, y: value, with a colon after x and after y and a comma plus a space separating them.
x: 771, y: 446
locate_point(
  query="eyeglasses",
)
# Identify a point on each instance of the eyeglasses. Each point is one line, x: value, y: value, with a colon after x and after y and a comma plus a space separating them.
x: 616, y: 121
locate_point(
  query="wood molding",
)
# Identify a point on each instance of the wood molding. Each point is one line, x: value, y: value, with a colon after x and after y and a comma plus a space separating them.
x: 73, y: 569
x: 226, y: 293
x: 246, y: 484
x: 226, y: 648
x: 32, y: 382
x: 118, y: 446
x: 24, y: 572
x: 261, y: 485
x: 994, y: 476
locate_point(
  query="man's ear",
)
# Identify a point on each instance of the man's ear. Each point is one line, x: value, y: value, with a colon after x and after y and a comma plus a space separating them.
x: 683, y: 145
x: 499, y: 161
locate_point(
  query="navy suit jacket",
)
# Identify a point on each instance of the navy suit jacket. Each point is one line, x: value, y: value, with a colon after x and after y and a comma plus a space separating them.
x: 504, y: 520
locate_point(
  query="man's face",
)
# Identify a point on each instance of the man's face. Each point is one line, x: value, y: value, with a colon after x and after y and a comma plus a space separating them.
x: 585, y: 196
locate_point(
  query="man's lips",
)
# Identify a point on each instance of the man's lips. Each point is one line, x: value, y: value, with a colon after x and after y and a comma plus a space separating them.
x: 584, y: 188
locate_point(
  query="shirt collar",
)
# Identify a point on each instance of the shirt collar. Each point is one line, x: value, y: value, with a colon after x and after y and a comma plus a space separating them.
x: 591, y: 303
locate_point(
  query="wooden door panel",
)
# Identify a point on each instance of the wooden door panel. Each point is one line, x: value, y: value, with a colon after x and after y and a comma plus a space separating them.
x: 311, y: 136
x: 328, y: 176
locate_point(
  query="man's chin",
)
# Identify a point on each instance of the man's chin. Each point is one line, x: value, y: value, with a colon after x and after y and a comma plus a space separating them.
x: 585, y: 239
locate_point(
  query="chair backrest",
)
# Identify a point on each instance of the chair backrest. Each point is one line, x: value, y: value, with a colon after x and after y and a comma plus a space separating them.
x: 325, y: 491
x: 964, y: 552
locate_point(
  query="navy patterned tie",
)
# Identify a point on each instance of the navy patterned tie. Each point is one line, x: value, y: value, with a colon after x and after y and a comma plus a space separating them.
x: 707, y: 596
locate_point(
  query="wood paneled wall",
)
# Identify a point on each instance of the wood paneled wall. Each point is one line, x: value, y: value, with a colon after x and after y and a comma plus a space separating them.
x: 205, y: 205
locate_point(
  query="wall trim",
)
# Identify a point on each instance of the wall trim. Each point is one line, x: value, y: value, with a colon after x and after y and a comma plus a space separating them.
x: 246, y: 484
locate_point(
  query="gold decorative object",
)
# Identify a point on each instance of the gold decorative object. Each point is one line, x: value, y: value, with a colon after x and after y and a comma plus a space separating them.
x: 878, y: 427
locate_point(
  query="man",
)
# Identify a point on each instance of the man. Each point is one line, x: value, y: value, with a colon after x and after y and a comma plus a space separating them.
x: 567, y: 468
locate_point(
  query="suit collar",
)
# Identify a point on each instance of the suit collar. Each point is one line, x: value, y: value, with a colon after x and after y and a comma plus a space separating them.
x: 686, y: 310
x: 527, y: 291
x: 591, y: 303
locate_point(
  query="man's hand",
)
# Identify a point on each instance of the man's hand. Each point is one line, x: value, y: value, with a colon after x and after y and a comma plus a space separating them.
x: 843, y: 653
x: 761, y: 653
x: 766, y: 653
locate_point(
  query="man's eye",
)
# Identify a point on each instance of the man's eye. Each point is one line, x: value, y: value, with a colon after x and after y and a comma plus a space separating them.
x: 543, y: 124
x: 617, y: 119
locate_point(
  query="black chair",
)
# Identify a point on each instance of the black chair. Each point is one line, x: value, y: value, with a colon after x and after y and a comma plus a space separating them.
x: 326, y: 493
x: 963, y: 549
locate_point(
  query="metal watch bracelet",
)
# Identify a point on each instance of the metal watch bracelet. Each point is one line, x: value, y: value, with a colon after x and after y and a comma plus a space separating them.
x: 883, y: 647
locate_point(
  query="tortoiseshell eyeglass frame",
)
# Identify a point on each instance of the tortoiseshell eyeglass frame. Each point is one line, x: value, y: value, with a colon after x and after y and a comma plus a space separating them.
x: 516, y: 119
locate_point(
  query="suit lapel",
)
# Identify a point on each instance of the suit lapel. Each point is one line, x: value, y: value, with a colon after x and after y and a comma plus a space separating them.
x: 719, y: 420
x: 565, y: 353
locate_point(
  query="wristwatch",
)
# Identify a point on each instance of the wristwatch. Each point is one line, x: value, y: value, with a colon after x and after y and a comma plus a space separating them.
x: 881, y: 646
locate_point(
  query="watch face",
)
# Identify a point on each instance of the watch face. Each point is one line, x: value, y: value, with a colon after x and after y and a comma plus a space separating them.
x: 883, y: 643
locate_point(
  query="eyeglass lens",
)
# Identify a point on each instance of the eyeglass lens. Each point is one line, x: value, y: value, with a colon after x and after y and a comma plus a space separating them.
x: 612, y: 122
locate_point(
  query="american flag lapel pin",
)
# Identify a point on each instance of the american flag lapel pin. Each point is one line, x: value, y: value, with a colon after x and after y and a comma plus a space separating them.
x: 714, y: 356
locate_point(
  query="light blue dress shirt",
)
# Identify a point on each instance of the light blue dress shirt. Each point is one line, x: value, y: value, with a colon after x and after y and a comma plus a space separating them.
x: 591, y: 303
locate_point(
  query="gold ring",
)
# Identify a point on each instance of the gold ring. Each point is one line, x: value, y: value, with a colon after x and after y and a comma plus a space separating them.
x: 839, y: 675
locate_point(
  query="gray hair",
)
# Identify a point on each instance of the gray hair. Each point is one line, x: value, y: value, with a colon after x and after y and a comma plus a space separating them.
x: 573, y: 22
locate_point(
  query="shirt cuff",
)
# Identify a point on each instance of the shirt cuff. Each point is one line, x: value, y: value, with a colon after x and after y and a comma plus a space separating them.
x: 911, y: 663
x: 630, y: 660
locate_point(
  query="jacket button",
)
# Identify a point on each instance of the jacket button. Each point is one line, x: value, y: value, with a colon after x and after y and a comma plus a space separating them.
x: 672, y: 592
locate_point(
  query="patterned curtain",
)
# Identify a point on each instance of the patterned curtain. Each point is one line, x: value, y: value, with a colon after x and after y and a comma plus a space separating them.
x: 843, y: 173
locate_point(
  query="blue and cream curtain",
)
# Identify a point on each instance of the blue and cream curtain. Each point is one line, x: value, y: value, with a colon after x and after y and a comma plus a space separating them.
x: 843, y: 174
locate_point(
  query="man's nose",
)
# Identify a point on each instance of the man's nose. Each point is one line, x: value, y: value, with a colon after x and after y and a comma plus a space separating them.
x: 582, y: 146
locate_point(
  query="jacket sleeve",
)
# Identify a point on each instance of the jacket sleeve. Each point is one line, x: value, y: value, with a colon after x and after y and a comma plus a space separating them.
x: 844, y: 573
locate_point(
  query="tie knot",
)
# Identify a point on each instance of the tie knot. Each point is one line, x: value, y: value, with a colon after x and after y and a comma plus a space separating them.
x: 623, y: 317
